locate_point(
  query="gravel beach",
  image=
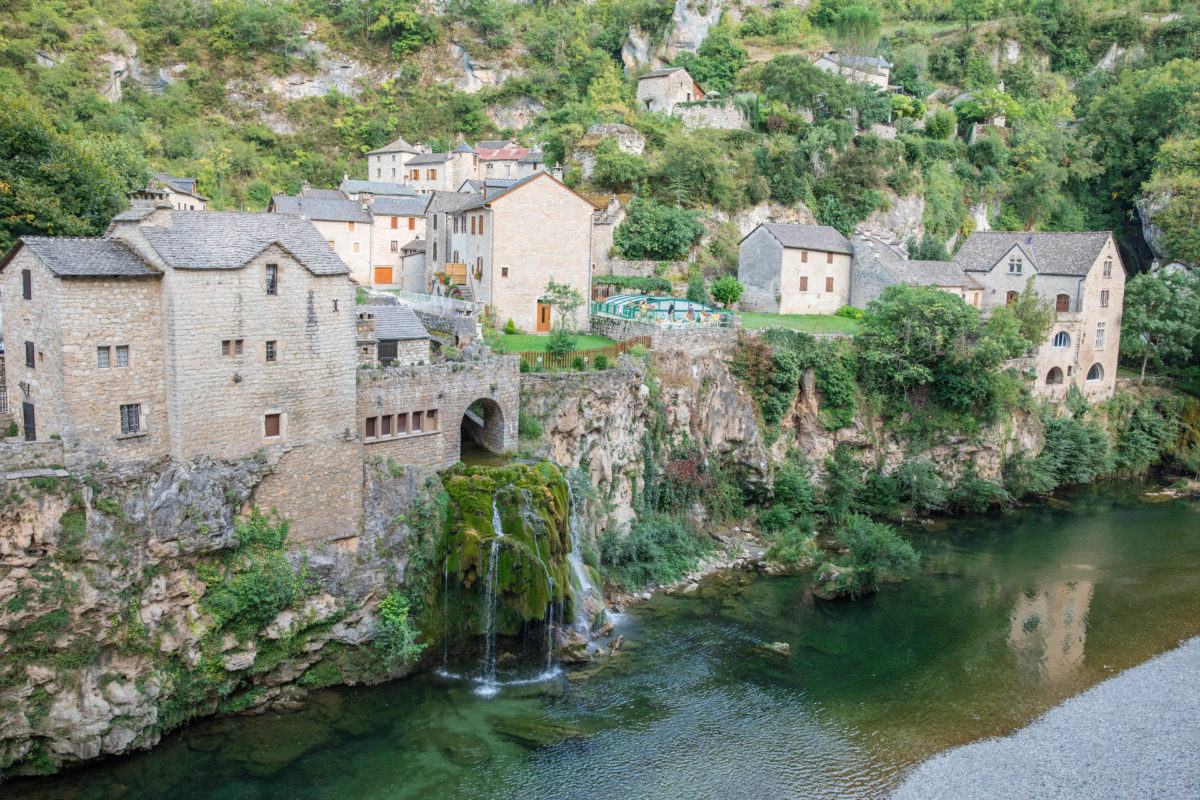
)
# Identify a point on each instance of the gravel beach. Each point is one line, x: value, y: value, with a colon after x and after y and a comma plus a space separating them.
x: 1136, y: 735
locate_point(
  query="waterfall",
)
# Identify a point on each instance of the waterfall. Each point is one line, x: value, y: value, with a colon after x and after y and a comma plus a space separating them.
x: 490, y: 687
x: 587, y: 589
x: 446, y: 612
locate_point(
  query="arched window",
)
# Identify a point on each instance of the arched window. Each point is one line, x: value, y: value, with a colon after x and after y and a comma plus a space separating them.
x: 1062, y: 303
x: 1011, y: 298
x: 1054, y: 377
x: 1062, y: 339
x: 1096, y: 373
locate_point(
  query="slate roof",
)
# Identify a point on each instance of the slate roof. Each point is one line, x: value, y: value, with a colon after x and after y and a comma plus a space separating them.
x: 328, y: 194
x: 479, y: 201
x: 181, y: 185
x: 400, y: 206
x: 429, y: 158
x: 1048, y: 253
x: 85, y: 258
x: 133, y: 214
x: 477, y: 186
x: 864, y: 63
x: 810, y: 237
x: 396, y: 323
x: 387, y: 188
x: 230, y: 239
x: 660, y: 73
x: 326, y: 209
x: 464, y: 148
x: 397, y: 146
x: 534, y: 156
x: 493, y: 144
x: 450, y: 201
x: 417, y: 245
x: 917, y: 272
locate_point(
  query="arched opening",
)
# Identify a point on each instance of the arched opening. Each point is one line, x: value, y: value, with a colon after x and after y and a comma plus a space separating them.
x: 1054, y: 377
x: 1062, y: 339
x: 1011, y: 298
x: 481, y: 431
x: 1096, y: 373
x: 1062, y: 303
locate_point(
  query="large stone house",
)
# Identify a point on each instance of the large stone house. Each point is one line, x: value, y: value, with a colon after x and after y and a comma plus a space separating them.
x: 860, y: 69
x: 390, y: 162
x: 663, y: 89
x: 442, y: 172
x: 1081, y: 274
x: 510, y: 243
x: 182, y: 193
x: 500, y: 159
x: 183, y: 334
x: 878, y: 264
x: 794, y: 269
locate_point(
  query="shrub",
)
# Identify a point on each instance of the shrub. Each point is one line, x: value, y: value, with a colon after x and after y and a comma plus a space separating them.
x: 524, y: 365
x: 976, y: 494
x: 255, y: 580
x: 395, y: 636
x: 696, y: 291
x: 941, y: 124
x: 657, y: 549
x: 727, y: 290
x: 577, y: 363
x: 793, y: 545
x: 528, y: 426
x: 561, y: 341
x: 510, y: 327
x: 850, y: 312
x: 638, y: 284
x: 601, y: 362
x: 874, y: 547
x: 652, y: 230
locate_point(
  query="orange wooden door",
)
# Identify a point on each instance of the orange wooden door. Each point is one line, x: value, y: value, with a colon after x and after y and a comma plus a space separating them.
x: 383, y: 275
x: 543, y: 318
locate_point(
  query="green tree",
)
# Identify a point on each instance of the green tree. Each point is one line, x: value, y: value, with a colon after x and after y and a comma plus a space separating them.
x: 1175, y: 185
x: 656, y: 231
x: 697, y: 292
x: 856, y: 30
x: 395, y: 636
x: 565, y: 300
x: 1034, y: 314
x: 727, y: 290
x: 1160, y: 320
x: 606, y: 92
x: 716, y: 62
x: 971, y: 11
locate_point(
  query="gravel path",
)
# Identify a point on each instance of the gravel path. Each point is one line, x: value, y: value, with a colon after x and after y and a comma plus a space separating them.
x: 1136, y: 735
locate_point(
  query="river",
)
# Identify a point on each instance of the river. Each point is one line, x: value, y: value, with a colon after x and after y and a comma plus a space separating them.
x: 1005, y: 617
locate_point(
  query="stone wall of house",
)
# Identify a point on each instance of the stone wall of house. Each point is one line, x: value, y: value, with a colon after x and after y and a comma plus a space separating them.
x: 412, y: 352
x: 344, y: 237
x: 447, y: 390
x: 30, y: 455
x: 35, y: 320
x: 725, y: 116
x: 760, y: 261
x: 693, y: 339
x: 634, y: 269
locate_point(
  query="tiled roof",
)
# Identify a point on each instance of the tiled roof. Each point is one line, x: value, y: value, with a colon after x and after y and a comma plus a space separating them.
x: 464, y: 148
x: 385, y: 188
x: 400, y: 206
x: 398, y: 146
x: 916, y: 272
x: 86, y: 258
x: 810, y: 237
x: 322, y: 208
x: 396, y: 323
x: 450, y: 201
x: 417, y: 245
x: 1048, y: 253
x: 660, y: 73
x: 429, y: 158
x: 230, y: 239
x: 508, y: 153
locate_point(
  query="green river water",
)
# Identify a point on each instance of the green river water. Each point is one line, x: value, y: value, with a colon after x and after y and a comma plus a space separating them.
x: 1006, y: 616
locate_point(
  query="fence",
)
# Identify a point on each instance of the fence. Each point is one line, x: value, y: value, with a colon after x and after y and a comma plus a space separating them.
x: 716, y: 319
x: 437, y: 304
x: 544, y: 359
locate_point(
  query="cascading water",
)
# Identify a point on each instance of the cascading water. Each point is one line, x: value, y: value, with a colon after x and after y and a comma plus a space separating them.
x: 586, y: 589
x: 445, y: 613
x: 490, y: 687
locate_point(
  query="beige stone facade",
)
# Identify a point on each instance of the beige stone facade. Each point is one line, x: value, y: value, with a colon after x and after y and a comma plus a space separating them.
x: 663, y: 89
x: 794, y: 269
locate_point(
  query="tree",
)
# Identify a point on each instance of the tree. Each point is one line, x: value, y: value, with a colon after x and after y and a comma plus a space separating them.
x: 1160, y: 319
x: 606, y: 92
x: 727, y: 290
x: 941, y: 124
x: 565, y: 300
x: 873, y: 547
x: 696, y: 291
x: 656, y: 231
x: 1034, y: 314
x: 856, y: 30
x: 970, y: 11
x: 1174, y: 190
x: 716, y: 62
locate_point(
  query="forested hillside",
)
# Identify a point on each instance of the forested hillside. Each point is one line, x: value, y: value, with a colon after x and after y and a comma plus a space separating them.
x: 1102, y: 102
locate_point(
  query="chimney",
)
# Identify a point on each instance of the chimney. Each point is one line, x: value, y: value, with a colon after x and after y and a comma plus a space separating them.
x: 304, y: 187
x: 557, y: 172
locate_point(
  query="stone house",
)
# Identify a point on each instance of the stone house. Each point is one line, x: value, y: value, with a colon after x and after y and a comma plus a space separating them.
x: 878, y: 264
x: 794, y: 269
x: 183, y: 334
x: 390, y: 162
x: 344, y: 225
x: 442, y: 172
x: 1082, y: 276
x: 604, y: 228
x: 182, y: 193
x: 860, y: 69
x: 413, y: 275
x: 500, y: 159
x: 512, y: 243
x: 391, y: 335
x: 663, y: 89
x: 395, y: 221
x: 531, y: 162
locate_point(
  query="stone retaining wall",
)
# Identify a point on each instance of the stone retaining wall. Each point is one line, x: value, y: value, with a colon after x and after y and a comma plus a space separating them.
x: 25, y: 455
x: 696, y: 338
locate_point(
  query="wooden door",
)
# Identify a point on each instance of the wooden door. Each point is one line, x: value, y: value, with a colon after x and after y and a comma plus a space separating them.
x: 30, y: 423
x: 1062, y: 303
x: 543, y: 318
x: 383, y: 275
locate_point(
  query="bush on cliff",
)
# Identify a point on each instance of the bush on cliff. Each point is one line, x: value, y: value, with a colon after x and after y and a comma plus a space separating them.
x: 872, y: 548
x: 658, y: 549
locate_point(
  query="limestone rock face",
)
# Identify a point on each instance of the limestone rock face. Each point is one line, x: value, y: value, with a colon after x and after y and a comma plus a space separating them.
x: 901, y: 220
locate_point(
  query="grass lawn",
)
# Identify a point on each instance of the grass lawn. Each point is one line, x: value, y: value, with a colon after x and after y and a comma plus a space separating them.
x: 809, y: 323
x: 522, y: 342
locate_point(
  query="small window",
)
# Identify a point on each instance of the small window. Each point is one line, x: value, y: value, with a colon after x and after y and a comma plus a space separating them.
x: 271, y: 426
x: 378, y: 173
x: 1062, y: 339
x: 1015, y: 266
x: 804, y: 283
x: 435, y: 251
x: 26, y: 284
x: 1096, y: 373
x: 395, y: 246
x: 829, y: 284
x: 331, y: 244
x: 385, y: 426
x: 350, y: 227
x: 829, y: 258
x: 435, y: 222
x: 238, y: 346
x: 102, y: 357
x: 401, y: 424
x: 356, y: 247
x: 1011, y: 298
x: 272, y: 352
x: 393, y: 172
x: 29, y: 362
x: 803, y: 256
x: 370, y: 427
x: 1099, y: 336
x: 1104, y: 298
x: 412, y: 223
x: 131, y: 419
x: 432, y: 174
x: 122, y: 355
x: 504, y: 272
x: 226, y: 347
x: 395, y: 222
x: 272, y: 279
x: 431, y: 420
x: 1108, y: 269
x: 455, y: 225
x: 472, y: 226
x: 416, y: 422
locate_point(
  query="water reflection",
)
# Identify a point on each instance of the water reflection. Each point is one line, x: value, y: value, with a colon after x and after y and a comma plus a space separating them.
x: 1049, y: 629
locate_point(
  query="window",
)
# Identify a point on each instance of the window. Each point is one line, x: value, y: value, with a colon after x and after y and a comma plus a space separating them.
x: 435, y: 251
x: 225, y: 347
x: 1062, y: 303
x: 1011, y: 298
x: 272, y: 279
x: 829, y: 284
x: 272, y: 352
x: 331, y: 244
x: 1096, y: 373
x: 29, y: 362
x: 431, y: 420
x: 395, y: 246
x: 1061, y: 339
x: 1014, y: 266
x: 431, y: 174
x: 271, y: 426
x: 122, y: 355
x: 435, y: 222
x: 378, y: 173
x: 829, y: 258
x: 455, y: 259
x: 804, y: 283
x: 1104, y: 298
x: 232, y: 347
x: 356, y: 247
x: 102, y: 357
x: 504, y: 272
x: 1054, y: 377
x: 472, y: 226
x: 1099, y: 336
x: 393, y: 172
x: 131, y: 419
x: 385, y: 425
x: 412, y: 223
x: 401, y: 424
x: 395, y: 222
x: 370, y: 427
x: 416, y: 422
x: 803, y: 256
x: 456, y: 224
x: 26, y: 284
x: 350, y: 227
x: 1108, y: 269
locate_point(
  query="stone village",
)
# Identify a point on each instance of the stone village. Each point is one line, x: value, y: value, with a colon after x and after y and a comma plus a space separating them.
x: 186, y: 333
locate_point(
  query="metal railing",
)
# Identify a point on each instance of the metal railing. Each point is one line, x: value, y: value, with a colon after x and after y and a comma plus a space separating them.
x: 717, y: 319
x: 437, y: 304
